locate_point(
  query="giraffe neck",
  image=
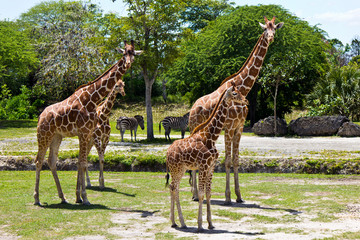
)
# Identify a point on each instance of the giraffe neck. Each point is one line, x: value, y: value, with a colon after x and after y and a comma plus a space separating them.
x: 90, y: 95
x: 247, y: 75
x: 104, y: 109
x: 212, y: 131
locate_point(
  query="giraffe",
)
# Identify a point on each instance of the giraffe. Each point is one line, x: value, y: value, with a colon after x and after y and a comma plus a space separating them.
x: 198, y: 151
x: 101, y: 134
x: 244, y: 80
x: 76, y: 116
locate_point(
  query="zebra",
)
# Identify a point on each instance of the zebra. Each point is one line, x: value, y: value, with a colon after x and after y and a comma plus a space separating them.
x: 179, y: 123
x: 129, y: 123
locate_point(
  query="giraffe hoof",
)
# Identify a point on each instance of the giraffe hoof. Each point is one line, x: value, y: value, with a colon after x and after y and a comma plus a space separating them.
x: 38, y: 204
x: 64, y: 202
x: 240, y: 200
x: 195, y: 199
x: 174, y: 226
x: 227, y: 203
x: 200, y: 230
x: 79, y: 201
x: 211, y: 227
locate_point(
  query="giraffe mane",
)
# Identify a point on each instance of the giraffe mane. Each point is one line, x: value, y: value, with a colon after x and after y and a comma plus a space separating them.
x: 104, y: 73
x: 204, y: 124
x: 245, y: 63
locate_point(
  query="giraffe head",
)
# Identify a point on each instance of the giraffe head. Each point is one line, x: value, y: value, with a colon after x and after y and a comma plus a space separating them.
x: 234, y: 95
x: 129, y: 52
x: 270, y: 28
x: 119, y: 87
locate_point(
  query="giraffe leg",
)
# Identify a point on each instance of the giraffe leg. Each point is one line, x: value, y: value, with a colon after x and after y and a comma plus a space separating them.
x: 88, y: 182
x: 81, y: 187
x: 172, y: 207
x: 194, y: 188
x: 101, y: 170
x: 54, y: 151
x: 174, y: 188
x: 236, y: 143
x: 135, y: 133
x: 208, y: 200
x: 39, y: 162
x: 228, y: 138
x: 202, y: 179
x: 131, y: 134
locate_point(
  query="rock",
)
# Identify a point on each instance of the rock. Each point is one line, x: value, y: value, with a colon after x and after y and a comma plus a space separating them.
x: 266, y: 126
x: 349, y: 129
x: 317, y: 126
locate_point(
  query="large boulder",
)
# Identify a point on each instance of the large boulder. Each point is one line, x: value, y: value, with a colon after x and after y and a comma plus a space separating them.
x: 349, y: 129
x: 266, y: 126
x: 317, y: 126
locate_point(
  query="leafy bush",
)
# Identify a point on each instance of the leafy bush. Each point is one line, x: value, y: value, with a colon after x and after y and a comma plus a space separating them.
x: 17, y: 107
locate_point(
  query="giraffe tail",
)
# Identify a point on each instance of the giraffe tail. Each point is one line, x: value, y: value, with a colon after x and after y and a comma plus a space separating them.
x: 190, y: 178
x: 167, y: 177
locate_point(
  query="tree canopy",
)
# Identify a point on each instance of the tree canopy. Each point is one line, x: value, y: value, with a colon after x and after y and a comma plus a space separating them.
x: 296, y: 56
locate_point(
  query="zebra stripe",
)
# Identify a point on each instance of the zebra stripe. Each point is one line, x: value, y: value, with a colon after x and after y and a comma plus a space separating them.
x: 179, y: 123
x: 129, y: 123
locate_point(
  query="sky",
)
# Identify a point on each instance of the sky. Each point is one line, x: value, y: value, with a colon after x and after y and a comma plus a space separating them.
x: 340, y: 19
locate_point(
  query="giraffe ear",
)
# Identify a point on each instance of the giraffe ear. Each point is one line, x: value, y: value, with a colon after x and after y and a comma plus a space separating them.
x: 138, y: 52
x: 120, y: 50
x: 263, y: 26
x: 279, y: 25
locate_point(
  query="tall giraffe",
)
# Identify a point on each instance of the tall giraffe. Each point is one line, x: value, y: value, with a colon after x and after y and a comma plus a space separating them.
x: 101, y: 134
x: 244, y: 80
x: 198, y: 151
x: 76, y: 116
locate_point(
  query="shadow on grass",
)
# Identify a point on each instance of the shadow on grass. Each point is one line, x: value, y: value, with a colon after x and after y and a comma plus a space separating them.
x: 112, y: 190
x: 70, y: 206
x: 217, y: 231
x: 144, y: 214
x: 251, y: 205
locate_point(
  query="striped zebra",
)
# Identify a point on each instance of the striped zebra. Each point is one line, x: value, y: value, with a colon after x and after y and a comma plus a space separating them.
x: 129, y: 123
x: 179, y: 123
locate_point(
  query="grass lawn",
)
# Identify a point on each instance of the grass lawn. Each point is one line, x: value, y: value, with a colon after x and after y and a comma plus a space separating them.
x: 275, y: 203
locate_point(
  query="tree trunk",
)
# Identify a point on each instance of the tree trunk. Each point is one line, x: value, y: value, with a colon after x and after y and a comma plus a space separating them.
x: 275, y: 98
x: 149, y: 116
x: 164, y: 89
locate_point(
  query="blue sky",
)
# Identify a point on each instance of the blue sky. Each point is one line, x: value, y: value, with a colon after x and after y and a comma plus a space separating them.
x: 340, y: 19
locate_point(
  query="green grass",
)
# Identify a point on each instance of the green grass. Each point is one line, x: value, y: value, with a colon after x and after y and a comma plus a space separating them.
x: 145, y: 193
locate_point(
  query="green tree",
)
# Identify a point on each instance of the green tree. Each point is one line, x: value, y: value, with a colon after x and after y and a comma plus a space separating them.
x: 63, y: 34
x: 18, y: 58
x: 295, y: 57
x: 156, y: 27
x: 337, y: 93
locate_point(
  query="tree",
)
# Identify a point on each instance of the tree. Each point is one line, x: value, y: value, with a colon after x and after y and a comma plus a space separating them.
x: 62, y: 33
x: 219, y: 50
x: 18, y: 58
x: 198, y: 13
x: 156, y: 27
x: 337, y: 93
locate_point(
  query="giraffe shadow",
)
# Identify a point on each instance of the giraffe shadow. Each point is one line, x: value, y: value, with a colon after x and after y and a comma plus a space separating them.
x: 70, y: 206
x: 112, y: 190
x: 252, y: 205
x: 218, y: 231
x: 144, y: 214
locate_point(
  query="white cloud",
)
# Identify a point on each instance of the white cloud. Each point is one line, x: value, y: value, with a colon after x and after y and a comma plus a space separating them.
x: 350, y: 17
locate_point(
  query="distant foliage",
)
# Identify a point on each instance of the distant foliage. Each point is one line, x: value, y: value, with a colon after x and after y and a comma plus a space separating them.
x: 337, y: 93
x: 19, y: 106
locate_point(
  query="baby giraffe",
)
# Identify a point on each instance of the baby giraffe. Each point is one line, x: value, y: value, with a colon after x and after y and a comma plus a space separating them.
x: 198, y: 151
